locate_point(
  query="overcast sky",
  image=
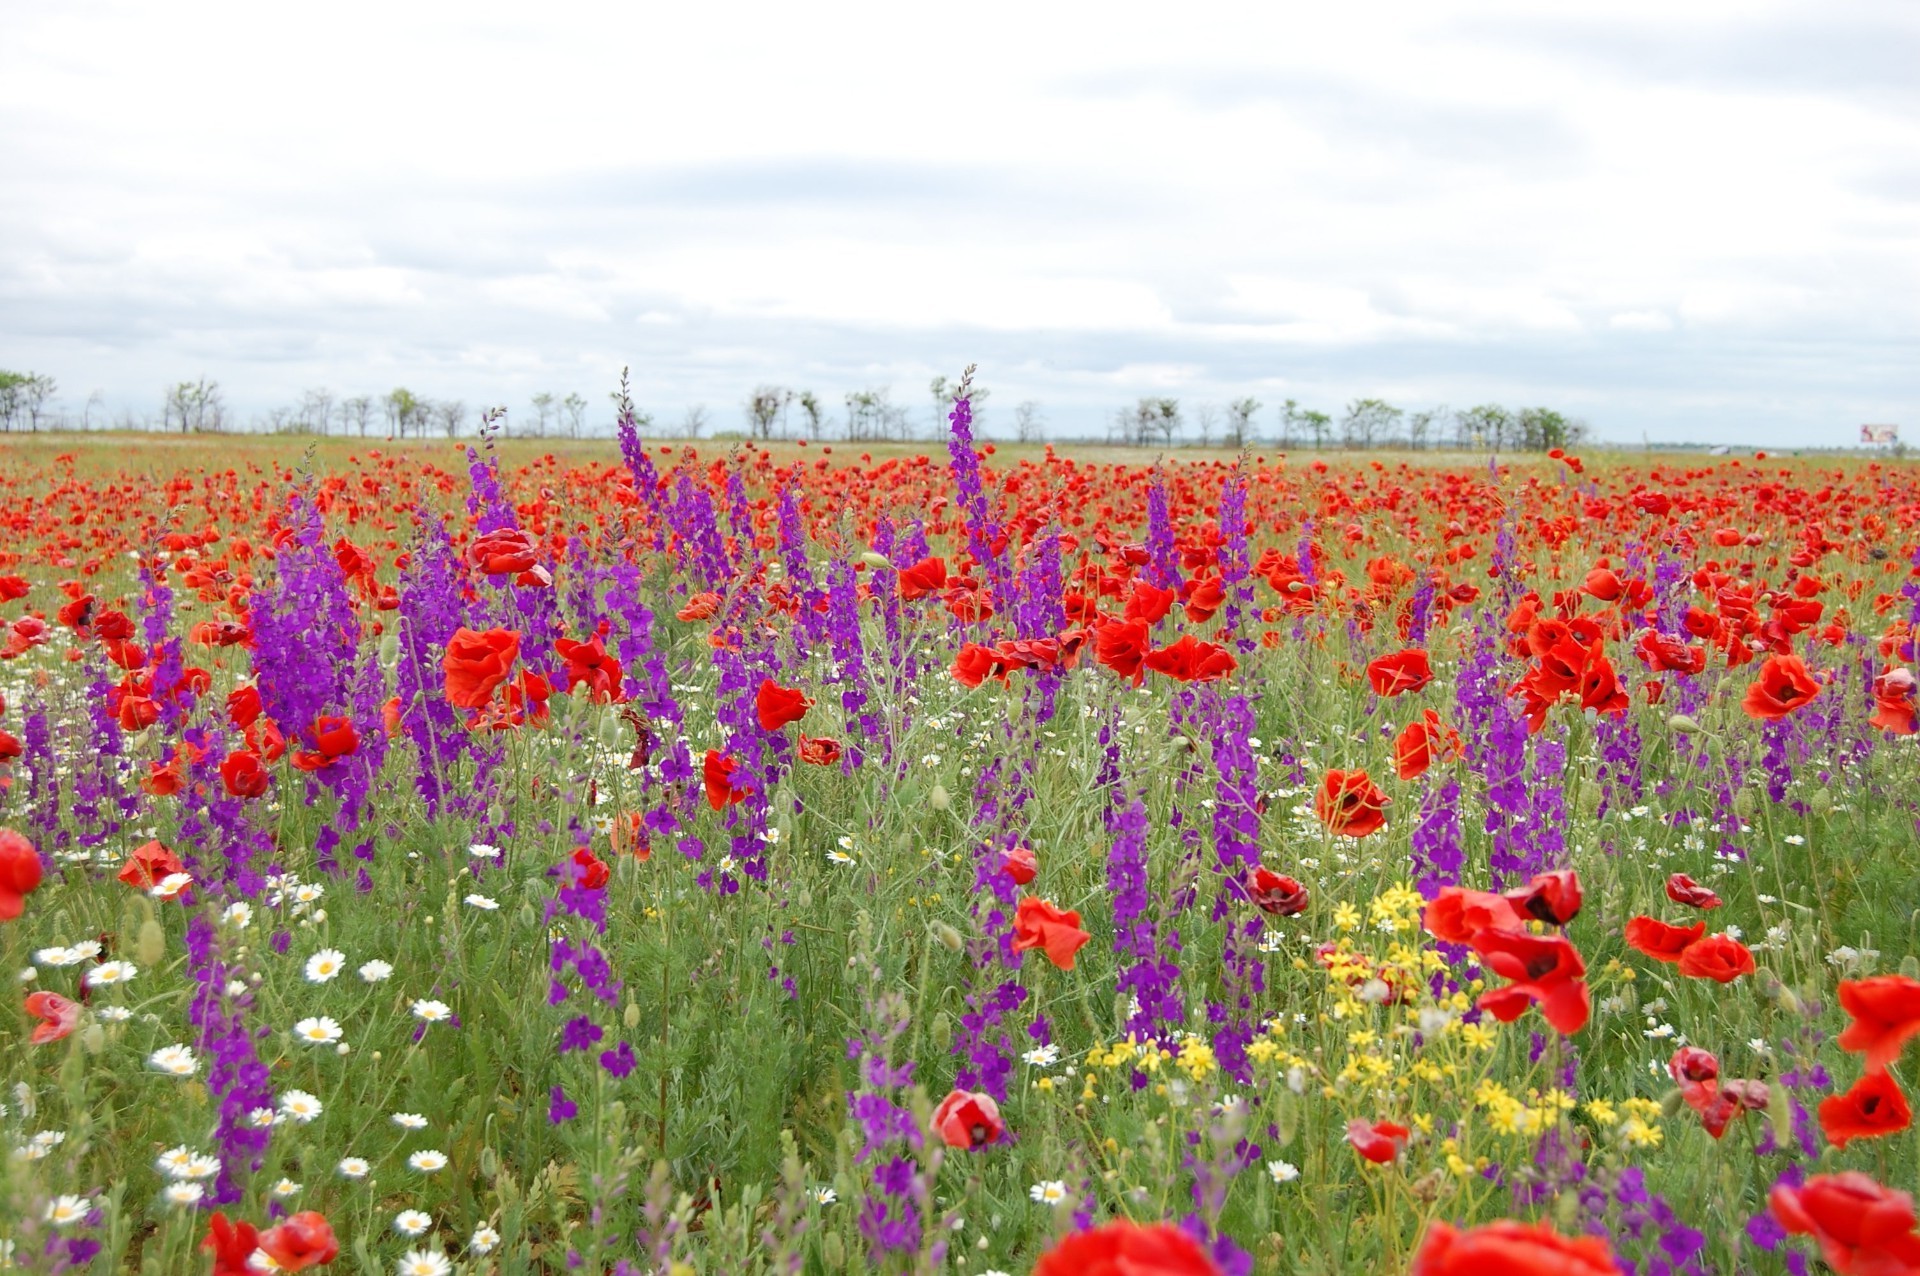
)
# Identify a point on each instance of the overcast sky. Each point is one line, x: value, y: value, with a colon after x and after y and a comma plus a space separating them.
x: 1703, y: 226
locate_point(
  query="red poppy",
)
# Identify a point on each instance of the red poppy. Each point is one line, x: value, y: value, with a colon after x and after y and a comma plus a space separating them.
x: 1422, y: 742
x: 1457, y: 914
x: 1664, y: 654
x: 1020, y: 864
x: 1377, y: 1141
x: 588, y: 870
x: 1204, y: 598
x: 1276, y: 894
x: 1784, y: 686
x: 1122, y: 646
x: 333, y: 738
x: 778, y: 706
x: 243, y: 774
x: 968, y: 1120
x: 232, y: 1245
x: 243, y: 706
x: 477, y: 663
x: 509, y: 552
x: 1121, y: 1248
x: 1660, y: 941
x: 1862, y: 1228
x: 590, y: 665
x: 1545, y: 969
x: 1553, y: 898
x: 716, y: 771
x: 1510, y: 1248
x: 1682, y: 889
x: 819, y: 750
x: 699, y: 607
x: 57, y: 1016
x: 1350, y: 805
x: 1148, y: 603
x: 9, y: 746
x: 1886, y: 1013
x: 1893, y: 703
x: 1603, y: 584
x: 928, y: 576
x: 1399, y: 673
x: 1691, y: 1065
x: 1872, y: 1108
x: 1038, y: 924
x: 1720, y: 958
x: 973, y: 664
x: 305, y: 1240
x: 1191, y: 660
x: 148, y: 865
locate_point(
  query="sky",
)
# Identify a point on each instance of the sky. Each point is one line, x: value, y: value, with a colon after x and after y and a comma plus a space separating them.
x: 1682, y: 221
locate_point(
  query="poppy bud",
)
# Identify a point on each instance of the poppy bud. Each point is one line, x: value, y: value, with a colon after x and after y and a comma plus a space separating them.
x: 1745, y: 804
x: 151, y: 947
x: 609, y: 731
x: 527, y: 915
x: 938, y: 799
x: 949, y: 937
x: 833, y: 1251
x: 94, y: 1039
x: 489, y: 1163
x: 1671, y: 1103
x: 390, y: 650
x: 1681, y: 724
x: 1821, y: 803
x: 1910, y: 966
x: 631, y: 1015
x: 876, y: 562
x: 942, y: 1032
x: 1780, y: 1115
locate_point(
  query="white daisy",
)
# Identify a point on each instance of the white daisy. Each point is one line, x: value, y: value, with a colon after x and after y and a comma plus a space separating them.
x: 410, y: 1120
x: 424, y: 1262
x: 176, y: 1061
x: 319, y: 1030
x: 1048, y: 1191
x: 184, y: 1193
x: 483, y: 902
x: 174, y: 1161
x: 298, y: 1105
x: 114, y: 1014
x: 481, y: 851
x: 483, y: 1240
x: 412, y: 1222
x: 64, y: 1211
x: 238, y: 916
x: 171, y: 885
x: 428, y: 1160
x: 1283, y: 1171
x: 325, y: 965
x: 285, y: 1188
x: 432, y: 1011
x: 354, y: 1167
x: 375, y: 971
x: 823, y: 1195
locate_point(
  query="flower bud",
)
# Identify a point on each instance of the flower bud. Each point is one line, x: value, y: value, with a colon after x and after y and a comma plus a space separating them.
x: 489, y: 1163
x: 1745, y: 804
x: 609, y: 731
x: 942, y: 1032
x: 1821, y: 803
x: 390, y: 650
x: 949, y: 937
x: 94, y: 1038
x: 876, y: 562
x: 1681, y: 724
x: 938, y: 799
x: 631, y: 1015
x: 151, y: 947
x: 833, y: 1251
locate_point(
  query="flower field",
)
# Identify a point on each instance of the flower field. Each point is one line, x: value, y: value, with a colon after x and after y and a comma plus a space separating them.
x: 791, y: 859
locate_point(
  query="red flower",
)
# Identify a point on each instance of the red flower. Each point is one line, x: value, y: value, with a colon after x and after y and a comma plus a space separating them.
x: 699, y: 607
x: 1510, y: 1248
x: 1350, y: 805
x: 1122, y: 646
x: 1720, y: 958
x: 1457, y: 914
x: 509, y: 552
x: 1691, y: 1065
x: 1379, y: 1142
x: 148, y: 865
x: 1273, y: 893
x: 778, y: 705
x: 1401, y: 672
x: 1553, y: 898
x: 1191, y: 660
x: 1424, y: 740
x: 243, y: 706
x: 333, y: 738
x: 1121, y: 1248
x: 589, y: 870
x: 968, y: 1120
x: 244, y: 775
x: 231, y: 1244
x: 1038, y: 924
x: 589, y: 663
x: 1660, y: 941
x: 819, y: 750
x: 1544, y: 968
x: 1886, y: 1012
x: 1784, y: 686
x: 1873, y: 1107
x: 716, y: 771
x: 1862, y: 1228
x: 1682, y: 889
x: 1893, y: 700
x: 1020, y: 864
x: 303, y: 1241
x: 1204, y: 598
x: 57, y: 1016
x: 928, y: 576
x: 1148, y: 604
x: 974, y: 664
x: 477, y: 663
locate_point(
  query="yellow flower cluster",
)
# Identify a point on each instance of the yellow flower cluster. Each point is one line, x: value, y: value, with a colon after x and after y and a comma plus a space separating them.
x: 1632, y: 1120
x: 1512, y: 1114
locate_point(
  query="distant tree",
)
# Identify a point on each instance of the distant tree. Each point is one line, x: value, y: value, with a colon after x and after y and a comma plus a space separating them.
x: 358, y: 412
x: 1367, y: 422
x: 1485, y: 426
x: 1319, y: 426
x: 1026, y: 421
x: 401, y: 406
x: 12, y: 387
x: 1420, y: 426
x: 198, y: 405
x: 95, y: 400
x: 542, y: 412
x: 694, y: 421
x: 1240, y: 422
x: 810, y: 408
x: 316, y: 409
x: 1542, y: 429
x: 944, y: 393
x: 574, y: 409
x: 34, y: 397
x: 451, y: 414
x: 764, y: 407
x: 1205, y: 417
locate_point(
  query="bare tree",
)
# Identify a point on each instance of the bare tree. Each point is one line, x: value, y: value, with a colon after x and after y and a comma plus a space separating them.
x: 542, y: 412
x: 316, y: 409
x: 1205, y: 417
x: 198, y: 404
x: 694, y: 421
x: 1240, y: 421
x: 357, y: 411
x: 1420, y: 426
x: 451, y: 414
x: 402, y: 407
x: 944, y: 393
x: 97, y: 399
x: 811, y: 408
x: 1368, y: 420
x: 1026, y: 421
x: 574, y: 408
x: 764, y: 407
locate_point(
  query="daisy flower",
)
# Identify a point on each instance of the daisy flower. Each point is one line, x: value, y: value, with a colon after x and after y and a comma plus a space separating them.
x: 483, y: 1240
x: 483, y: 902
x: 428, y: 1160
x: 375, y: 971
x: 298, y: 1105
x: 325, y: 965
x: 1048, y: 1191
x: 412, y: 1222
x: 410, y: 1120
x: 64, y: 1211
x: 175, y: 1061
x: 424, y: 1262
x: 354, y: 1167
x: 171, y: 885
x: 319, y: 1030
x: 432, y: 1011
x: 183, y: 1193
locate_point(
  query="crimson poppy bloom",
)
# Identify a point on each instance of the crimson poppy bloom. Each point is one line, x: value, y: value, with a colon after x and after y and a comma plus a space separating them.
x: 1553, y: 898
x: 1038, y: 924
x: 588, y: 870
x: 1682, y: 889
x: 1191, y: 660
x: 243, y: 706
x: 1273, y: 893
x: 1691, y: 1065
x: 148, y: 864
x: 699, y: 607
x: 476, y: 663
x: 305, y: 1240
x: 1545, y: 969
x: 1872, y: 1108
x: 819, y: 750
x: 716, y: 772
x: 1886, y: 1013
x: 1862, y: 1228
x: 1457, y: 914
x: 243, y: 774
x: 589, y: 664
x: 1422, y: 742
x: 57, y: 1015
x: 1720, y: 958
x: 1020, y: 864
x: 1510, y: 1248
x: 509, y: 552
x: 232, y: 1245
x: 1783, y: 687
x: 1893, y: 703
x: 1122, y: 646
x: 968, y: 1120
x: 333, y: 738
x: 1658, y: 940
x: 1122, y: 1248
x: 778, y: 706
x: 1204, y: 598
x: 1377, y: 1141
x: 1148, y: 603
x: 928, y: 576
x: 1400, y: 673
x: 1350, y: 805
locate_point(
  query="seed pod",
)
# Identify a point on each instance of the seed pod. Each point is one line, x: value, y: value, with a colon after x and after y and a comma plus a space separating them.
x: 949, y: 937
x: 151, y: 947
x: 876, y: 562
x: 1681, y: 724
x: 938, y: 799
x: 833, y: 1251
x: 1821, y: 803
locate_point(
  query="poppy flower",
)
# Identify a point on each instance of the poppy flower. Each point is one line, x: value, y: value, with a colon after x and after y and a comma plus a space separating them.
x: 1656, y: 939
x: 232, y: 1244
x: 716, y: 772
x: 509, y: 552
x: 1690, y: 1065
x: 57, y: 1016
x: 1122, y: 646
x: 1720, y: 958
x: 778, y: 706
x: 819, y: 750
x: 1545, y: 969
x: 588, y: 870
x: 1886, y: 1013
x: 333, y: 738
x: 1510, y: 1248
x: 973, y: 664
x: 1784, y: 686
x: 1038, y: 924
x: 1203, y: 599
x: 968, y: 1120
x: 1457, y: 914
x: 476, y: 663
x: 149, y: 864
x: 1553, y: 898
x: 1123, y: 1248
x: 1191, y: 660
x: 1273, y: 893
x: 699, y: 607
x: 1422, y: 742
x: 1350, y: 805
x: 589, y: 664
x: 305, y: 1240
x: 928, y: 576
x: 1020, y: 864
x: 1399, y: 673
x: 1893, y: 703
x: 1872, y: 1108
x: 243, y: 706
x: 1862, y: 1228
x: 1682, y: 889
x: 1148, y: 603
x: 243, y: 775
x: 1377, y: 1141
